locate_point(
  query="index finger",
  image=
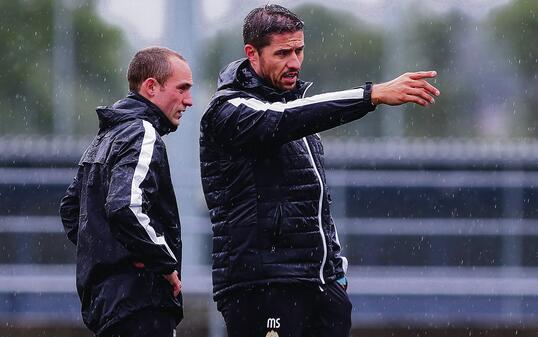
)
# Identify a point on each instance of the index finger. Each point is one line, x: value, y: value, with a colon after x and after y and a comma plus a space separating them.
x: 423, y: 74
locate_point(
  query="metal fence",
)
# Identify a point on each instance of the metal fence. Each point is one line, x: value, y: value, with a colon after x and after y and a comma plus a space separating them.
x: 438, y: 233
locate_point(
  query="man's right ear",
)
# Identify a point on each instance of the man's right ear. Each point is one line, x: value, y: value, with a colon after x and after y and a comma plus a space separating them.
x: 148, y: 87
x: 252, y: 53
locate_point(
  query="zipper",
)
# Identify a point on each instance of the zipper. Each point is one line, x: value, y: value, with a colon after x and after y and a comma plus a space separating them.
x: 277, y: 227
x: 320, y: 203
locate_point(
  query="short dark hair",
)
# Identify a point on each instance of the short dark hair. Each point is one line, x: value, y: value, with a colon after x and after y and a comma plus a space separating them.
x: 263, y: 21
x: 150, y: 62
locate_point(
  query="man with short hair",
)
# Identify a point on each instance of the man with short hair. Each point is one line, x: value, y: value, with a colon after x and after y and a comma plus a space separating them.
x: 121, y: 212
x: 277, y: 263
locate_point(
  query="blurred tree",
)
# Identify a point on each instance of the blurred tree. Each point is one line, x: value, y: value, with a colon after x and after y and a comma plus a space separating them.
x: 341, y: 52
x: 224, y: 47
x: 438, y: 43
x: 515, y: 27
x: 26, y: 83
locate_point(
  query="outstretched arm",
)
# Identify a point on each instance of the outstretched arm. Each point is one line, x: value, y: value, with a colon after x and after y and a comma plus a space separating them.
x: 407, y: 88
x: 248, y: 121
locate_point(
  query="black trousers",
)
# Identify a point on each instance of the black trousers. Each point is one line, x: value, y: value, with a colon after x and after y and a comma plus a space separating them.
x: 144, y: 323
x: 297, y: 310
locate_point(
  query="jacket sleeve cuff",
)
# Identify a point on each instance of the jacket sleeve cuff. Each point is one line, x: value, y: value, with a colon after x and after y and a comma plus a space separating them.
x: 367, y: 94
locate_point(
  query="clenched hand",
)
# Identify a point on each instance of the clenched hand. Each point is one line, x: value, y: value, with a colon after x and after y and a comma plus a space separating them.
x: 174, y: 281
x: 172, y: 278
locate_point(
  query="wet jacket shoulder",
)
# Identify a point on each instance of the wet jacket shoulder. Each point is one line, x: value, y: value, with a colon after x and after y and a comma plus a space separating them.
x: 264, y: 180
x: 121, y: 209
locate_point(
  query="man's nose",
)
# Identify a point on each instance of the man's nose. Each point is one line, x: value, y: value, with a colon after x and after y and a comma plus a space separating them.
x: 294, y: 62
x: 187, y: 100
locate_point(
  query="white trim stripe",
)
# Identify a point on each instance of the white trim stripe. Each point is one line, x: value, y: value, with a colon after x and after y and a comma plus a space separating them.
x: 311, y: 157
x: 320, y: 204
x: 141, y: 170
x: 280, y: 107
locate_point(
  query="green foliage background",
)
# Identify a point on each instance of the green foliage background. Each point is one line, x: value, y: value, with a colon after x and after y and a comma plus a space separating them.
x: 26, y: 80
x: 487, y: 66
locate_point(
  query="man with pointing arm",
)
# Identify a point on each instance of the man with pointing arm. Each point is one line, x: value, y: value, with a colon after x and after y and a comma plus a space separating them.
x: 278, y: 269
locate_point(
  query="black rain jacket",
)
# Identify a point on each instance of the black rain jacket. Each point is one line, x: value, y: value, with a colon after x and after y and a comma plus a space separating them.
x: 264, y: 181
x: 121, y: 209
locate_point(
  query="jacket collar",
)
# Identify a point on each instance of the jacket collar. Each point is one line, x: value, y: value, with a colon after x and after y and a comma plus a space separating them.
x: 134, y: 106
x: 154, y: 115
x: 240, y: 73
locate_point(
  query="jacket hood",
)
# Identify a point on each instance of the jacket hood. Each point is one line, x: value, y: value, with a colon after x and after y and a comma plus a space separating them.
x: 228, y: 75
x: 240, y: 73
x: 134, y: 106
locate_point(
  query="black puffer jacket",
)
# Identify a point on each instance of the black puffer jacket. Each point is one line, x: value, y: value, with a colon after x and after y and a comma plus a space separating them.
x: 264, y: 180
x: 121, y: 209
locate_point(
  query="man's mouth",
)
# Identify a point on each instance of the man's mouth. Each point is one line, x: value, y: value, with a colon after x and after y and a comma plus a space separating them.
x: 291, y: 75
x: 289, y: 78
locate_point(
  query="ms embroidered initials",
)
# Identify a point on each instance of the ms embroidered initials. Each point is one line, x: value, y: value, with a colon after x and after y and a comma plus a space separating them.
x: 273, y: 323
